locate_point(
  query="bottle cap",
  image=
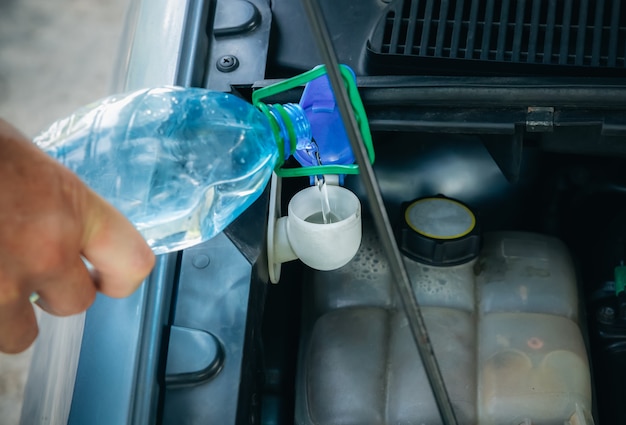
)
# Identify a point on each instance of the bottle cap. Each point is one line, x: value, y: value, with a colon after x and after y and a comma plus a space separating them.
x: 439, y: 231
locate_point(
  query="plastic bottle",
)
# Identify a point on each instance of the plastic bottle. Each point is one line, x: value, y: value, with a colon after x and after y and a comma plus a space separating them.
x: 180, y: 163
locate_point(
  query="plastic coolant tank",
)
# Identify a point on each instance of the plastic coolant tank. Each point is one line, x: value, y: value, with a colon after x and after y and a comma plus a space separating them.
x: 532, y: 362
x: 504, y: 329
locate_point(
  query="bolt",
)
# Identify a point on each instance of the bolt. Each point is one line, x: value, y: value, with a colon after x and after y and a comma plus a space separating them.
x: 200, y: 261
x: 606, y: 315
x: 227, y: 63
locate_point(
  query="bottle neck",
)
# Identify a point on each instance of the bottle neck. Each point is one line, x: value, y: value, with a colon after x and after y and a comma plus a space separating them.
x: 293, y: 126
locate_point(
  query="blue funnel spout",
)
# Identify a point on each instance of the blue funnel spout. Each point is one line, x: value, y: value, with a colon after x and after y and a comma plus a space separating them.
x: 330, y: 144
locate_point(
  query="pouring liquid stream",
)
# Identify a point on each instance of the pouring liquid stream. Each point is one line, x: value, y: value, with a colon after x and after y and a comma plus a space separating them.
x: 320, y: 181
x: 327, y: 216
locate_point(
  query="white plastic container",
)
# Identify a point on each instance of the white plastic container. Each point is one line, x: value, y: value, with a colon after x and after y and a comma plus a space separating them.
x: 503, y: 328
x: 532, y: 362
x: 302, y: 233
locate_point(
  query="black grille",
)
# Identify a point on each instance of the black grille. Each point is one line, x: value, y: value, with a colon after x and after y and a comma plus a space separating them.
x: 569, y: 33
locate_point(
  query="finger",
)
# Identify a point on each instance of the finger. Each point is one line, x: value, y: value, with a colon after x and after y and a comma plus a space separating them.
x: 119, y: 254
x: 18, y: 326
x: 70, y: 293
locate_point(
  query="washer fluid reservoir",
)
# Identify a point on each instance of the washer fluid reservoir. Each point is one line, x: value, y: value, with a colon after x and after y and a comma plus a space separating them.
x: 521, y: 295
x: 502, y: 314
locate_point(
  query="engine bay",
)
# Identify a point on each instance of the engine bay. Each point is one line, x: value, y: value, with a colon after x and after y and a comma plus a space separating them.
x: 534, y: 147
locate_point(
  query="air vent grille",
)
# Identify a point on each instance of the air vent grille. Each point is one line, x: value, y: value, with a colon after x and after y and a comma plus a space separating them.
x: 583, y: 33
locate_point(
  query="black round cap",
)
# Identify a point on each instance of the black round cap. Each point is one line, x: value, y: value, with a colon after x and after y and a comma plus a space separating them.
x: 439, y: 231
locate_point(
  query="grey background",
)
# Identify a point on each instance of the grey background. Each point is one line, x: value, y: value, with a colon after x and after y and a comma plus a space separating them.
x: 55, y: 56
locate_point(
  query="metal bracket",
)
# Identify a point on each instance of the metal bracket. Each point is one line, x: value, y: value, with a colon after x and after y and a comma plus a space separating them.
x: 540, y: 119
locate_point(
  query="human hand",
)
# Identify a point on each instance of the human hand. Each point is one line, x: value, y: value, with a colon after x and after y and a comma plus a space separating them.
x: 48, y: 220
